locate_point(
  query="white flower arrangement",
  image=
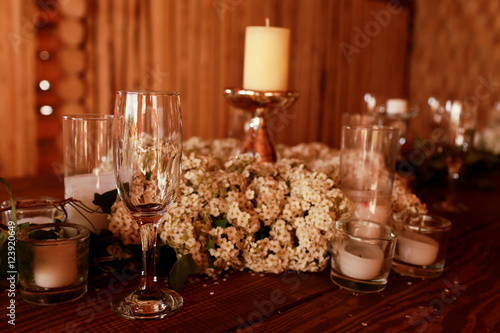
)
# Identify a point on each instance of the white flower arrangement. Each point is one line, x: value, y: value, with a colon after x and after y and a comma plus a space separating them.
x: 234, y: 212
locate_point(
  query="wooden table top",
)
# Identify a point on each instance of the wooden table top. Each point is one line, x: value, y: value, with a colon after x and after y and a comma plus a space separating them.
x: 466, y: 298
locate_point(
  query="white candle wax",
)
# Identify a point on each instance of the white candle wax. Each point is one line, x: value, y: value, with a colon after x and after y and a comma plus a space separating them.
x: 55, y: 266
x: 36, y: 220
x: 361, y: 261
x: 378, y: 213
x: 83, y: 187
x: 396, y: 106
x: 266, y: 58
x: 417, y: 249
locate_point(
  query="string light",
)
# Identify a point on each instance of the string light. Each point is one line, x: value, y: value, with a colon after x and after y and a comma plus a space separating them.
x: 44, y: 85
x: 46, y: 110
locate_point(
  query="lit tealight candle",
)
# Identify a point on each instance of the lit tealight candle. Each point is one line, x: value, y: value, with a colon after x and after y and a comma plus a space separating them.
x: 361, y: 261
x: 417, y: 249
x: 396, y: 106
x: 266, y: 58
x: 55, y: 266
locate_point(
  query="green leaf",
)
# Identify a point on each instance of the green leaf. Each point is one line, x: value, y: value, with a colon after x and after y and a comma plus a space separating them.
x: 4, y: 268
x: 13, y: 206
x: 4, y: 235
x: 105, y: 200
x: 220, y: 223
x: 263, y: 232
x: 183, y: 267
x: 210, y: 244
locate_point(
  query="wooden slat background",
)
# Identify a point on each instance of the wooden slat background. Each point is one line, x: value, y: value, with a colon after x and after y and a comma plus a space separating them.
x: 196, y: 47
x: 456, y: 54
x: 17, y: 93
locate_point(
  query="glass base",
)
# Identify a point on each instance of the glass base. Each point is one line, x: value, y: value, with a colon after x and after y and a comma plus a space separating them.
x: 163, y: 303
x: 355, y: 285
x: 416, y: 271
x: 54, y: 296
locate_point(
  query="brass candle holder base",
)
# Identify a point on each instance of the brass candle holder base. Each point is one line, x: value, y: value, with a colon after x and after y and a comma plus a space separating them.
x: 260, y: 104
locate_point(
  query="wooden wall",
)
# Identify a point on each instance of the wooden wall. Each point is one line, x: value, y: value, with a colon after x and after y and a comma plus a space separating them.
x: 456, y: 54
x: 196, y: 47
x: 340, y: 49
x: 17, y: 89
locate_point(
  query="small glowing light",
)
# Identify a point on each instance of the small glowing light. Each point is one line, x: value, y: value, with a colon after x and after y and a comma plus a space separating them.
x: 44, y: 55
x: 44, y: 85
x: 46, y: 110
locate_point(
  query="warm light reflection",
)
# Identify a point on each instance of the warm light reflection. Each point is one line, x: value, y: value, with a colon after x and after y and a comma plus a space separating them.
x: 44, y: 85
x: 46, y: 110
x: 44, y: 55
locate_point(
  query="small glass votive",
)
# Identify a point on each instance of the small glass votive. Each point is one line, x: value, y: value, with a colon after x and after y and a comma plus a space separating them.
x: 53, y: 262
x: 39, y: 211
x: 422, y: 244
x: 361, y: 254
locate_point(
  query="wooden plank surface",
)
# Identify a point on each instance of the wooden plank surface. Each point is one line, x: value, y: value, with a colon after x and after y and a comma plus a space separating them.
x: 465, y: 298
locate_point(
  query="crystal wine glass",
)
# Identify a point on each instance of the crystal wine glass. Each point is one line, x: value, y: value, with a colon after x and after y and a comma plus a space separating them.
x: 457, y: 123
x: 147, y: 134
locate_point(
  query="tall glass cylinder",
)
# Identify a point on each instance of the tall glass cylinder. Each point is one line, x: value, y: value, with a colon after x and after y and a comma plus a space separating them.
x: 367, y: 169
x: 88, y: 165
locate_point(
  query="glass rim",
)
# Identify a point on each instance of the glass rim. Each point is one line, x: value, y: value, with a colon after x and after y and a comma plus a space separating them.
x: 148, y: 92
x: 444, y: 223
x: 42, y: 200
x: 88, y: 116
x: 83, y: 233
x: 389, y: 231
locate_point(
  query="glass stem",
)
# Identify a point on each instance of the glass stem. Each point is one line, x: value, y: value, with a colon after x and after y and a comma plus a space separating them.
x: 148, y: 241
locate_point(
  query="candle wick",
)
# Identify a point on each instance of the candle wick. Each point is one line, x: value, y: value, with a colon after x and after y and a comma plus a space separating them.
x: 267, y: 22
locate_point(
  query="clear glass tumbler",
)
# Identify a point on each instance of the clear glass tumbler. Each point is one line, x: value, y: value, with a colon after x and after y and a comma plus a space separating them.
x: 361, y: 254
x: 422, y: 244
x: 53, y: 262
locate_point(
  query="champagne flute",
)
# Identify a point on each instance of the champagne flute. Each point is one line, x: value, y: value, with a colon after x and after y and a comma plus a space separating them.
x: 147, y: 134
x: 457, y: 123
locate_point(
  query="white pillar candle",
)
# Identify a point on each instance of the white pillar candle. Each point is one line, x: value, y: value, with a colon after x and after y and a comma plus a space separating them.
x: 396, y: 106
x: 83, y: 187
x: 55, y: 266
x: 361, y: 261
x: 417, y: 249
x: 266, y: 58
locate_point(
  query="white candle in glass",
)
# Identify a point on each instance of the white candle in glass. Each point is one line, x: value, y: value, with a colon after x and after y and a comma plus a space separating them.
x: 36, y: 220
x: 55, y: 266
x: 83, y: 187
x: 396, y: 106
x: 361, y: 261
x: 266, y: 58
x: 379, y: 213
x: 417, y: 249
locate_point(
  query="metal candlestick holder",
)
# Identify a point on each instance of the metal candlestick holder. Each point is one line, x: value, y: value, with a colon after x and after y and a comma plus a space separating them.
x: 260, y: 105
